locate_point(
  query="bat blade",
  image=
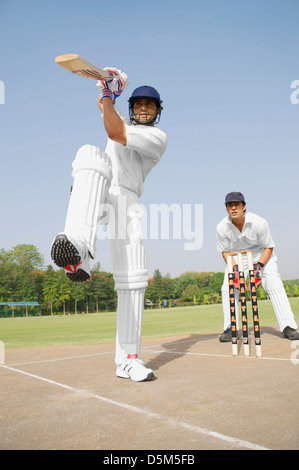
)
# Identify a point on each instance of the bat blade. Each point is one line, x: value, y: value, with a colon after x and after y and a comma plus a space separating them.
x: 79, y: 66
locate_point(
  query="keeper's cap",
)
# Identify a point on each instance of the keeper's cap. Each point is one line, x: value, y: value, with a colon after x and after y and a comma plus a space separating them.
x: 234, y: 197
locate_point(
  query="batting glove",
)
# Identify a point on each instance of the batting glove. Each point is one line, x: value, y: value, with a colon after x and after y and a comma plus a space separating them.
x: 116, y: 84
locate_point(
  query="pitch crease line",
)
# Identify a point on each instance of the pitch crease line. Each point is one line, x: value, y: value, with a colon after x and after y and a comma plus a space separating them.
x: 169, y: 421
x: 82, y: 356
x: 218, y: 355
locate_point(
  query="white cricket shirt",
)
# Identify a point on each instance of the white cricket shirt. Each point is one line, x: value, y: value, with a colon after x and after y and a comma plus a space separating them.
x: 255, y: 235
x: 133, y: 162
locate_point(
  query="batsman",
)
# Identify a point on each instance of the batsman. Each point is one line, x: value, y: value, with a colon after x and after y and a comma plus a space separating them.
x: 111, y: 181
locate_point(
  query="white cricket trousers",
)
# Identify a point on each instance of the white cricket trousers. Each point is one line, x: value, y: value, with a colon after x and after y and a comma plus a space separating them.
x: 274, y: 287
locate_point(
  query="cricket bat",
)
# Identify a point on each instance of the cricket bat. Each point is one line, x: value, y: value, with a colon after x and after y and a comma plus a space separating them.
x: 75, y: 64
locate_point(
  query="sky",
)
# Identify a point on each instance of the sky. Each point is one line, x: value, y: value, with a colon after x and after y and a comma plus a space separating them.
x: 224, y: 70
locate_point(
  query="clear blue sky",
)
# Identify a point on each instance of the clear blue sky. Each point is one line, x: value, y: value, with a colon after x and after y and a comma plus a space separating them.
x: 223, y: 69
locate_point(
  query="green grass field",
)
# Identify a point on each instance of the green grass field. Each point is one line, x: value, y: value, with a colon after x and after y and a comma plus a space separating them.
x: 93, y: 328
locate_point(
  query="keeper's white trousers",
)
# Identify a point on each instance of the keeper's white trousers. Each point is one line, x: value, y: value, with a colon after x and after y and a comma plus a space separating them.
x: 274, y: 287
x: 91, y: 198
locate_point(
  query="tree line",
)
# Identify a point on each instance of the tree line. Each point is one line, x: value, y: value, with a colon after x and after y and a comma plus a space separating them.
x: 24, y: 277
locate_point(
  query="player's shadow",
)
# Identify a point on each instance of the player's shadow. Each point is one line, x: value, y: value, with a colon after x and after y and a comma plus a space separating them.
x: 176, y: 349
x: 271, y: 331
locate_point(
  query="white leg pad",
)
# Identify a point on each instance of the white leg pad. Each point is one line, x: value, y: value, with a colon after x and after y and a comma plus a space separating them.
x: 92, y: 173
x: 273, y: 285
x: 130, y: 283
x: 282, y: 308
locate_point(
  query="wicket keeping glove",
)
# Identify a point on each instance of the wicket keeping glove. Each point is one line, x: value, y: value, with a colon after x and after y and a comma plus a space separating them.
x: 116, y: 84
x: 236, y: 276
x: 257, y: 268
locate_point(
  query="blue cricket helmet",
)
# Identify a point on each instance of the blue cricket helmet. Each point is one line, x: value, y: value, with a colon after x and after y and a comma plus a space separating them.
x: 148, y: 92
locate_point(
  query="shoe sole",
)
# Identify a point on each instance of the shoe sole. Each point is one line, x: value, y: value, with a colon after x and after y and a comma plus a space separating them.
x: 291, y: 337
x: 63, y: 253
x: 225, y: 340
x: 149, y: 377
x: 79, y: 276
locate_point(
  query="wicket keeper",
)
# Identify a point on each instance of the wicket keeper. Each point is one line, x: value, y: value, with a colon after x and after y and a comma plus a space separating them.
x: 242, y: 230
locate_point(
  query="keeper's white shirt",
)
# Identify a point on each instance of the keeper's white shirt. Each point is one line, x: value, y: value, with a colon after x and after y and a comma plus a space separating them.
x: 255, y: 235
x: 131, y: 163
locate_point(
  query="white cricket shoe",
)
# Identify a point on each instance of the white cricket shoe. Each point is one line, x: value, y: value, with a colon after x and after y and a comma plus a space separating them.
x: 133, y: 368
x: 72, y: 255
